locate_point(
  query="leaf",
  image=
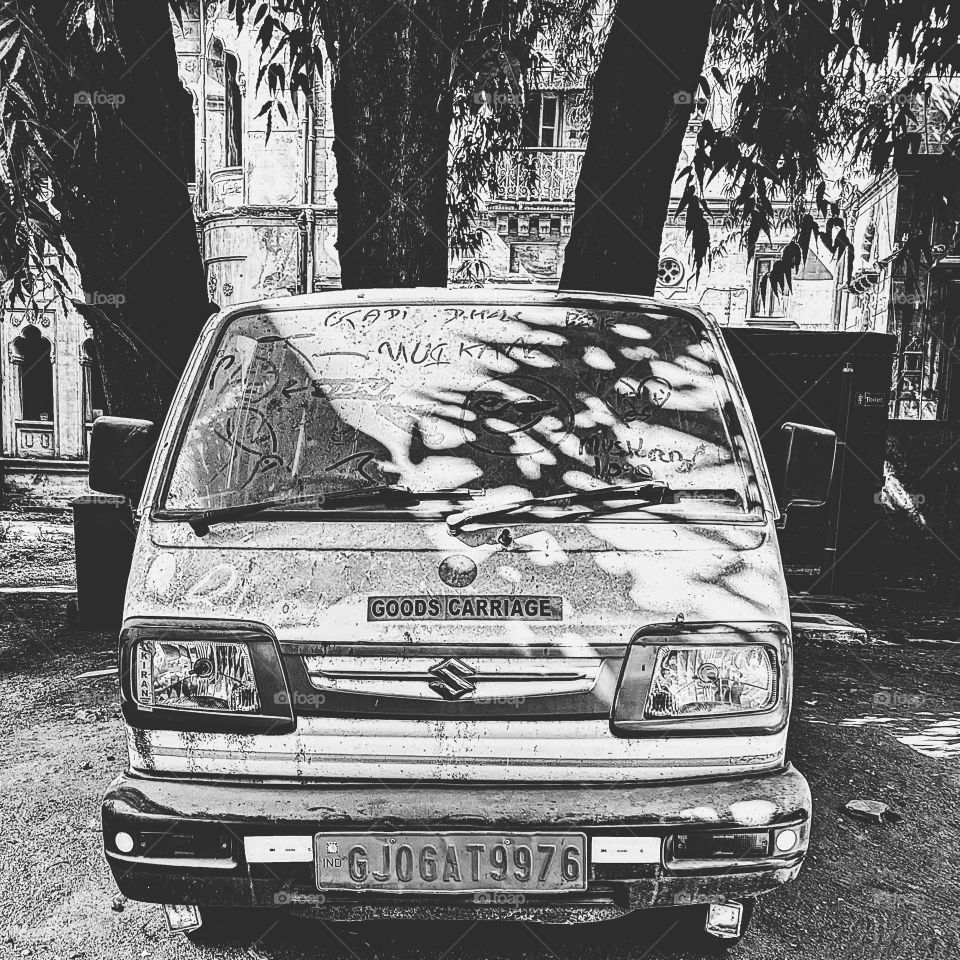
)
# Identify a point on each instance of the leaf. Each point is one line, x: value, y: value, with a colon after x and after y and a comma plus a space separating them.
x: 808, y: 231
x: 8, y: 42
x: 299, y: 82
x: 820, y: 197
x: 698, y: 231
x: 265, y: 34
x: 276, y: 78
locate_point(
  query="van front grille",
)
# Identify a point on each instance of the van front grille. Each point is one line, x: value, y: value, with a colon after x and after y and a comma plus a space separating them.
x: 448, y: 678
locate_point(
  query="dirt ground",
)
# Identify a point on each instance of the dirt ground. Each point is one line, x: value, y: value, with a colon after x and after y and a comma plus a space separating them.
x: 877, y: 721
x: 36, y: 551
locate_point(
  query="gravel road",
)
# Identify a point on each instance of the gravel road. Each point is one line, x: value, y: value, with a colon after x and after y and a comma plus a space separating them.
x: 876, y: 722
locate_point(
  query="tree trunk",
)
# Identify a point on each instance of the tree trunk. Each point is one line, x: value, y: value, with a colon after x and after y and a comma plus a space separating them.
x: 127, y: 213
x: 392, y: 110
x: 643, y: 90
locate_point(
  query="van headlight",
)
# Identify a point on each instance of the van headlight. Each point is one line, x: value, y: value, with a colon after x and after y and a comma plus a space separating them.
x: 195, y: 675
x: 714, y: 681
x: 214, y: 676
x: 703, y: 678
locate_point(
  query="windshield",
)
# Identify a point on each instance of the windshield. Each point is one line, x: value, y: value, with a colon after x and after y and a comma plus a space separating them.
x: 500, y: 403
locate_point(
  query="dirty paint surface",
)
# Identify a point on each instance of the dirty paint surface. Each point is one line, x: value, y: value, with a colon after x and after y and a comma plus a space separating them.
x: 613, y: 579
x: 306, y: 398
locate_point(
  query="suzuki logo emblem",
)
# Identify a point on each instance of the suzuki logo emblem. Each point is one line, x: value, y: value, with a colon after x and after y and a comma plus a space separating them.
x: 453, y: 679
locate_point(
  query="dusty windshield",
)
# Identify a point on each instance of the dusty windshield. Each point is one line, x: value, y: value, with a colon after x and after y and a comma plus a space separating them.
x: 494, y: 403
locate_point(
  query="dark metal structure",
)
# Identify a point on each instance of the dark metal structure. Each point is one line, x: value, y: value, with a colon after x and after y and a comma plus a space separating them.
x: 841, y: 381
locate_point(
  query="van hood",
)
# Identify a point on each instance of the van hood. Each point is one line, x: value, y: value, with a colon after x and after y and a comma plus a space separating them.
x: 378, y: 698
x: 329, y: 581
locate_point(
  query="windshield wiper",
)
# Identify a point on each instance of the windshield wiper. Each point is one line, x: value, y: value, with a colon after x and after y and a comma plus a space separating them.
x: 390, y: 496
x: 646, y: 493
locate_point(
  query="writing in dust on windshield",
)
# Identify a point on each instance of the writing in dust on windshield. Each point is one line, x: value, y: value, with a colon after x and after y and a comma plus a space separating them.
x: 465, y: 608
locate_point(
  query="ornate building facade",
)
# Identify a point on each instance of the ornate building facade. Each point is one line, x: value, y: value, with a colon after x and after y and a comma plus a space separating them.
x: 50, y: 394
x: 913, y: 204
x: 528, y: 228
x: 266, y: 221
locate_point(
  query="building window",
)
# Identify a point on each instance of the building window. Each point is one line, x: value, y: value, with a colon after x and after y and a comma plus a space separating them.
x: 670, y: 272
x: 188, y: 134
x: 233, y: 103
x: 225, y: 94
x: 549, y: 120
x: 34, y: 366
x: 215, y: 61
x: 543, y: 120
x: 94, y: 399
x: 765, y: 302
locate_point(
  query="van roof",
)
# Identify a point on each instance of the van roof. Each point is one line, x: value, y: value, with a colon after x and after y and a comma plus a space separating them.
x: 459, y: 295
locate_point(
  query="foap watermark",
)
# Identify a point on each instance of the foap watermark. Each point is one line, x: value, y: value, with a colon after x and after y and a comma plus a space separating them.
x: 888, y: 697
x: 298, y: 898
x: 497, y: 98
x: 496, y: 72
x: 299, y: 698
x: 96, y: 298
x: 98, y: 98
x: 511, y: 701
x: 499, y: 898
x: 907, y: 297
x: 912, y: 100
x: 911, y: 499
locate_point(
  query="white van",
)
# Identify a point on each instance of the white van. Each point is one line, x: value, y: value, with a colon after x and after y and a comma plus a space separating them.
x: 454, y: 603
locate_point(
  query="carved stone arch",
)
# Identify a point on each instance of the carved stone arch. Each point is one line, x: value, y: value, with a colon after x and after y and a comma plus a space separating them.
x: 233, y: 112
x: 31, y: 354
x: 224, y: 71
x: 189, y: 111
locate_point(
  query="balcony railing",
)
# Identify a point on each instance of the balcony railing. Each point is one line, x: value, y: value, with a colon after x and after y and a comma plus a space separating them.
x: 556, y: 170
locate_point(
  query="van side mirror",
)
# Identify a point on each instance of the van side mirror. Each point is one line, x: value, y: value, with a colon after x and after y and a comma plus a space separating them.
x: 808, y: 466
x: 120, y: 454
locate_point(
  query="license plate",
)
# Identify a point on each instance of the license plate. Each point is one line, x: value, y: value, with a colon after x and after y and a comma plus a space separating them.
x: 452, y: 862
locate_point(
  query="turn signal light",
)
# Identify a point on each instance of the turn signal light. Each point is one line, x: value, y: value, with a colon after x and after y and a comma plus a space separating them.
x: 741, y: 845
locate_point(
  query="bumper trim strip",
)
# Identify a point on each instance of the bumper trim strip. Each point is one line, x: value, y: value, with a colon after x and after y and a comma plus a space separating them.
x: 289, y: 756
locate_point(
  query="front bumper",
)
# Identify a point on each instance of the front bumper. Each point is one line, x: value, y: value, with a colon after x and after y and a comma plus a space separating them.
x: 189, y: 840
